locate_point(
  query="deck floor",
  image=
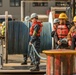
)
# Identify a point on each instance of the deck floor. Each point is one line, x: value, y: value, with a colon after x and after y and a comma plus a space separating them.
x: 15, y: 60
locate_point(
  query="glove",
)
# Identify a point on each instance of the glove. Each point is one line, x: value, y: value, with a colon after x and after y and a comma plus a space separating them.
x: 30, y: 43
x: 59, y: 43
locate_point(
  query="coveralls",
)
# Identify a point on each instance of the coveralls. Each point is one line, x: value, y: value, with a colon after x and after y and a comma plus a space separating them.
x: 35, y: 31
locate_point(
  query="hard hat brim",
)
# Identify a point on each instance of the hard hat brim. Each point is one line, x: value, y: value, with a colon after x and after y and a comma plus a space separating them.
x: 74, y: 20
x: 33, y: 17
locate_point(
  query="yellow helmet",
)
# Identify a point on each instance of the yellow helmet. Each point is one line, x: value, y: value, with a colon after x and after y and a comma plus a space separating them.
x: 74, y: 19
x: 63, y: 16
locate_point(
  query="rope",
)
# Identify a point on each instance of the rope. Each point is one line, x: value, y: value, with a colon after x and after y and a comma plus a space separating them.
x: 37, y: 53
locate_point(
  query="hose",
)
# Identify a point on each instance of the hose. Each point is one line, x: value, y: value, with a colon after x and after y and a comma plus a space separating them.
x: 37, y: 53
x: 62, y: 40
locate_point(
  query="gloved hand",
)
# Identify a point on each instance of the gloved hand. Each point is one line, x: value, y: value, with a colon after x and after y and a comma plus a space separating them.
x: 30, y: 43
x: 59, y: 43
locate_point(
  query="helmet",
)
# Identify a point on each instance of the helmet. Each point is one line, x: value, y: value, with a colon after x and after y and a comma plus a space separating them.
x: 56, y: 20
x: 74, y: 19
x: 63, y: 16
x: 3, y: 23
x: 34, y: 15
x: 27, y: 18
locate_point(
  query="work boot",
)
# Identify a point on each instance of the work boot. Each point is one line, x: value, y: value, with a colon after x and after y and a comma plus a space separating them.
x: 25, y: 60
x: 24, y: 63
x: 35, y: 68
x: 31, y: 63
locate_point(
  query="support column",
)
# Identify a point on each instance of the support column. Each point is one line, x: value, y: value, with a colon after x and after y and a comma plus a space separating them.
x: 22, y: 10
x: 73, y: 7
x: 6, y: 35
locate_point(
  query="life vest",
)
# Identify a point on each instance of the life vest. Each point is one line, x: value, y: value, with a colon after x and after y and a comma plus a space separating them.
x: 62, y: 31
x: 32, y: 28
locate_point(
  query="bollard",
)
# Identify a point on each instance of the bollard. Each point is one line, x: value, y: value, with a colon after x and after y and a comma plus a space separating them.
x: 63, y: 63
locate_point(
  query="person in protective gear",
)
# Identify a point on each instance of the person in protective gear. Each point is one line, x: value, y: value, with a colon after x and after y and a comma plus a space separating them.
x: 55, y: 24
x: 25, y: 56
x: 62, y: 42
x: 35, y: 31
x: 62, y: 31
x: 72, y: 35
